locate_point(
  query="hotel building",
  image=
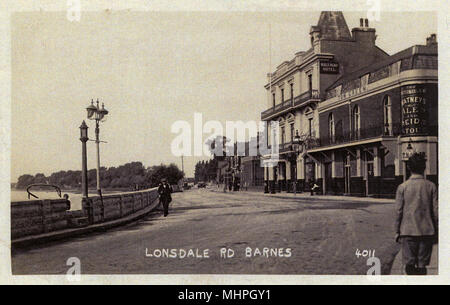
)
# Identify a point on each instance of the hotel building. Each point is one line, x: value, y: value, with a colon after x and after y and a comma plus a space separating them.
x: 358, y: 111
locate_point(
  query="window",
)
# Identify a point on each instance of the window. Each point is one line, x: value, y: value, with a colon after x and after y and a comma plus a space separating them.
x: 331, y: 128
x: 283, y: 135
x: 309, y: 82
x: 282, y: 95
x: 356, y: 123
x: 292, y: 92
x: 387, y: 115
x: 292, y: 133
x: 309, y: 114
x: 273, y: 99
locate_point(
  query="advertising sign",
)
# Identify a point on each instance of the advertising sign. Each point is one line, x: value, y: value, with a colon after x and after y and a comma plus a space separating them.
x: 414, y: 109
x: 329, y: 67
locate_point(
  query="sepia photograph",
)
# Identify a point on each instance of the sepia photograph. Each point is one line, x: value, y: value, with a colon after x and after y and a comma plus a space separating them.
x: 224, y: 142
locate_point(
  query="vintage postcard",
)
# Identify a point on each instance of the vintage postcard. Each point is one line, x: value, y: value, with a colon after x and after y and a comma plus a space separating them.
x: 224, y: 142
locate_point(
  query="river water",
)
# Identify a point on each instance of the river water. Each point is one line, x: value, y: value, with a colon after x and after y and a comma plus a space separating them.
x: 22, y: 195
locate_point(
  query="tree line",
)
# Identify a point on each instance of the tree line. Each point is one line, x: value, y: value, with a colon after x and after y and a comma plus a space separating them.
x: 206, y: 170
x: 129, y: 175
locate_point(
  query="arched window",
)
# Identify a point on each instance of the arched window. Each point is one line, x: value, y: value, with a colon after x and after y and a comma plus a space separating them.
x: 387, y: 106
x: 309, y: 114
x: 331, y: 132
x: 356, y: 123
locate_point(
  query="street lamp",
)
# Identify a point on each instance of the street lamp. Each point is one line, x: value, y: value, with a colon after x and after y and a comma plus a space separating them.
x: 84, y: 138
x: 297, y: 147
x: 409, y: 148
x: 98, y: 114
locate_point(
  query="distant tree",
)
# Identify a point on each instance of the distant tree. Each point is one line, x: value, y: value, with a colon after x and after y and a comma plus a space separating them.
x: 124, y: 176
x: 24, y: 181
x: 218, y: 147
x: 171, y: 172
x: 40, y: 178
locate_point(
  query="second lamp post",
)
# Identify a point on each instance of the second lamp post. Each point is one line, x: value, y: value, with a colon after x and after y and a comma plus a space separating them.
x: 98, y: 114
x: 297, y: 147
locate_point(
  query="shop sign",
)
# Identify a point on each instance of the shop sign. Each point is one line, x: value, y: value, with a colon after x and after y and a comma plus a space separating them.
x: 414, y: 109
x: 415, y: 147
x: 407, y: 154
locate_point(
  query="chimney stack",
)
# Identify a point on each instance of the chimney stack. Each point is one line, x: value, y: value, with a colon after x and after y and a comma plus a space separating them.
x: 431, y: 41
x: 364, y: 34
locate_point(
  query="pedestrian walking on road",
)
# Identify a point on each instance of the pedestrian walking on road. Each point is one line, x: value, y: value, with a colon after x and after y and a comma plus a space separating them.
x: 417, y: 217
x: 164, y: 191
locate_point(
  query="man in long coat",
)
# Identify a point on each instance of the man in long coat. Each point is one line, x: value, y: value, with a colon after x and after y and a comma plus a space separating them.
x: 164, y: 191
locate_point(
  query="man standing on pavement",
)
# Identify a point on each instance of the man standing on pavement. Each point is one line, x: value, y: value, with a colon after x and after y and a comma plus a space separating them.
x: 417, y: 217
x: 164, y: 191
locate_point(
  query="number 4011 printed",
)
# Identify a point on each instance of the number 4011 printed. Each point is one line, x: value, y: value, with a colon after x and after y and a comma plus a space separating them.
x: 365, y: 253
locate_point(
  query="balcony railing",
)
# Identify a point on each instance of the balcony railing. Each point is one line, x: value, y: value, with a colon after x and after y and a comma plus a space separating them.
x: 285, y: 147
x: 309, y: 142
x: 277, y: 109
x: 303, y: 98
x: 306, y: 97
x: 390, y: 130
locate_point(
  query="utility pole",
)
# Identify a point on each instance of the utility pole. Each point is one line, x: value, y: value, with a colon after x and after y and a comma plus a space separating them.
x: 182, y: 164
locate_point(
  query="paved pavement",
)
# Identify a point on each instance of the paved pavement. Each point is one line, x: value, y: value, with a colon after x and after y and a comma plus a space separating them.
x: 432, y: 269
x: 322, y: 235
x: 307, y: 195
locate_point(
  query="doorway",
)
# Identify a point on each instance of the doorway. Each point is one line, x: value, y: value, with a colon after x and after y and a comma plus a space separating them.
x: 347, y: 174
x: 328, y: 179
x: 310, y: 172
x: 369, y: 178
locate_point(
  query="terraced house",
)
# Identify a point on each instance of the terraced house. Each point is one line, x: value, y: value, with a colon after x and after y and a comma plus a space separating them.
x: 357, y: 112
x: 296, y: 89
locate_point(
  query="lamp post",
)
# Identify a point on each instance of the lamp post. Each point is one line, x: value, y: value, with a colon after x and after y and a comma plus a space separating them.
x: 84, y: 138
x: 98, y: 114
x: 297, y: 148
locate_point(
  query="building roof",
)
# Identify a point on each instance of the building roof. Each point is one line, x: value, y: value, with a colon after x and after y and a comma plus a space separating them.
x: 333, y: 26
x: 417, y: 49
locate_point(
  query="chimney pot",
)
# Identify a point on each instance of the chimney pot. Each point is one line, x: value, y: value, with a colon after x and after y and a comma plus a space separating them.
x: 431, y: 40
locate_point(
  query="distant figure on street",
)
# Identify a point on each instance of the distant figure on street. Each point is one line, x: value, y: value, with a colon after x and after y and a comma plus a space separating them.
x: 417, y: 217
x: 164, y: 191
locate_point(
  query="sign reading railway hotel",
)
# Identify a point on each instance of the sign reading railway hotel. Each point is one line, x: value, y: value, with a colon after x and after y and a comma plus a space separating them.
x: 414, y: 111
x: 329, y: 67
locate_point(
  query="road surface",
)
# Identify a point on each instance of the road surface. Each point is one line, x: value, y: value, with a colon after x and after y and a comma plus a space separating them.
x: 302, y: 236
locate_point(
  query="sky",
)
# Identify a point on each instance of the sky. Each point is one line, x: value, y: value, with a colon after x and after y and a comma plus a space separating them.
x: 151, y: 69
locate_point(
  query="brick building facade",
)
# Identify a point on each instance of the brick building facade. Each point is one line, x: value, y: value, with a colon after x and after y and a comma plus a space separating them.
x: 374, y: 118
x: 358, y: 111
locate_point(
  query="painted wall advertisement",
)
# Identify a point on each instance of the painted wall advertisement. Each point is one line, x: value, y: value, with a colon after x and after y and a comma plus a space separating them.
x: 414, y: 109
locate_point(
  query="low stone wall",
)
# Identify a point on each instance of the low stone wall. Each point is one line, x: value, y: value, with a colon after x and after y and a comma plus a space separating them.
x: 33, y: 217
x: 109, y: 207
x: 38, y: 216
